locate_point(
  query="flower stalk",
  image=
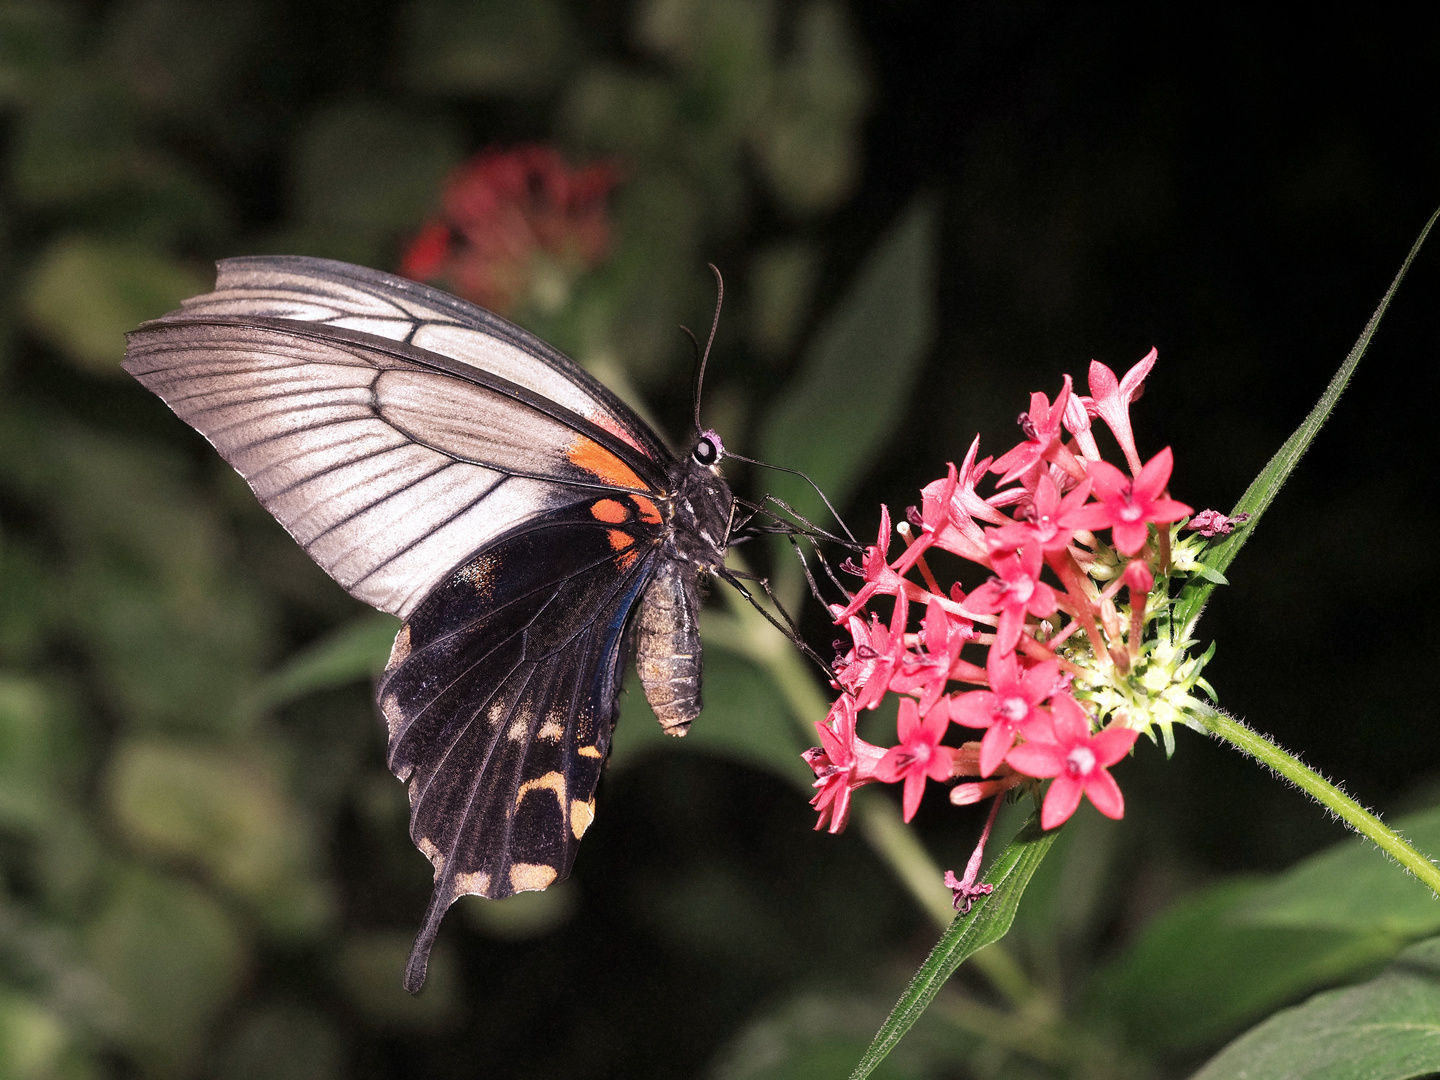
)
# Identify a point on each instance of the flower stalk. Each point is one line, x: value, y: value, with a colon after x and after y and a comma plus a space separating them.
x: 1284, y: 764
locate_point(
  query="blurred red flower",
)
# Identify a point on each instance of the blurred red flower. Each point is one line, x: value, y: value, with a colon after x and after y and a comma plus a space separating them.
x: 516, y: 227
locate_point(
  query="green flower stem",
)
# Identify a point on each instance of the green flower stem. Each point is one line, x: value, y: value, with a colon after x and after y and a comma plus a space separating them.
x: 1249, y: 741
x: 749, y: 634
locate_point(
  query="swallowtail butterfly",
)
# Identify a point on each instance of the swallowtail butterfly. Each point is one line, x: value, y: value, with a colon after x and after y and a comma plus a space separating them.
x: 447, y: 467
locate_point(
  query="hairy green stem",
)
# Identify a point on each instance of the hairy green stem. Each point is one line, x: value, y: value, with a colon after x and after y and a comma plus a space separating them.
x: 1249, y: 741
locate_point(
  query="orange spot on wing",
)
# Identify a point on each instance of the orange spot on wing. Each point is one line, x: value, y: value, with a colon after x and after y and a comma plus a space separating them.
x: 649, y: 513
x: 620, y: 539
x: 609, y: 511
x: 590, y: 456
x: 626, y: 559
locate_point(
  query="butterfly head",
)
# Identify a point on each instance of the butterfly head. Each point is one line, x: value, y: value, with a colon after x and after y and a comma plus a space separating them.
x: 708, y: 449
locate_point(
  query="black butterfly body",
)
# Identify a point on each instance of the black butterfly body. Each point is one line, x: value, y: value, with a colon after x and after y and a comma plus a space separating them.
x: 448, y: 467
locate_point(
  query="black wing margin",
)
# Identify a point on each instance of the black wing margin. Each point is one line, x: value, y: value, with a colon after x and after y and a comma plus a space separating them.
x: 500, y: 695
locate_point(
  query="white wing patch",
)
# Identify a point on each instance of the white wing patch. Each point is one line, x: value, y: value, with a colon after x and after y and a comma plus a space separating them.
x: 304, y: 421
x: 334, y: 294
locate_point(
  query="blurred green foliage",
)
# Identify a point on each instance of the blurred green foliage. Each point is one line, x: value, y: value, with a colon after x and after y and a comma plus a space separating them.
x: 204, y: 866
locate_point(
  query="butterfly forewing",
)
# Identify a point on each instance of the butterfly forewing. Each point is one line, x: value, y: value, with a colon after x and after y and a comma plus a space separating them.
x: 388, y: 471
x: 337, y: 294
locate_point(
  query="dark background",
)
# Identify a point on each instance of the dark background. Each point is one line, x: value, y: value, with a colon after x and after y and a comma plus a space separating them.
x: 1235, y: 189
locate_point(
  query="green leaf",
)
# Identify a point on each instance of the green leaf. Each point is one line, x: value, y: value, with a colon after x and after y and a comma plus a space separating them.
x: 987, y: 922
x: 813, y: 1037
x: 1201, y: 970
x: 487, y: 47
x: 1210, y: 574
x: 84, y: 295
x: 807, y: 144
x: 1263, y: 489
x: 229, y: 814
x: 850, y: 392
x: 365, y: 176
x: 355, y: 652
x: 1385, y: 1029
x: 1354, y: 886
x: 173, y: 957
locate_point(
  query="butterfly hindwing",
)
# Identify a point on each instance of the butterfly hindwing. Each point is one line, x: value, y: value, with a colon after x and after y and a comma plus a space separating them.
x: 500, y: 700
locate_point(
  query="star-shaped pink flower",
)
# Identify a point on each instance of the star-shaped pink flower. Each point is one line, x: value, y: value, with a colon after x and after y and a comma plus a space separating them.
x: 944, y: 635
x: 842, y: 762
x: 1014, y: 591
x: 1051, y: 519
x: 1009, y: 707
x: 1077, y: 760
x: 887, y: 650
x: 1128, y: 506
x: 1042, y: 427
x: 879, y: 578
x: 919, y: 755
x: 949, y: 512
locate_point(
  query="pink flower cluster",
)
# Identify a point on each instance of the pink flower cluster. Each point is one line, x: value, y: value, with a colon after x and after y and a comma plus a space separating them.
x: 1052, y: 496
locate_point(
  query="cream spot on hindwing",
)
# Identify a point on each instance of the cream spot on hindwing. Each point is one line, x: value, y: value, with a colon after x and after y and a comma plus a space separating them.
x: 531, y: 877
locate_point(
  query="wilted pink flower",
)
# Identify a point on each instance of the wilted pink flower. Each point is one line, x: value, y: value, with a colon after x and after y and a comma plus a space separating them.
x: 1210, y: 523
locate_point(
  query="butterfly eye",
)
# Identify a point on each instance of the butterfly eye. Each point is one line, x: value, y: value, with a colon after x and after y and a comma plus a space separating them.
x: 706, y: 452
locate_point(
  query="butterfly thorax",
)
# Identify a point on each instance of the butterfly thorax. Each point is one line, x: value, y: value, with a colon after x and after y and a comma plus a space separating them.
x: 700, y: 513
x: 667, y: 629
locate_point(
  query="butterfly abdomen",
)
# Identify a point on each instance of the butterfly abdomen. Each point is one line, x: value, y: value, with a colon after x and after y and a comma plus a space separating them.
x: 667, y: 654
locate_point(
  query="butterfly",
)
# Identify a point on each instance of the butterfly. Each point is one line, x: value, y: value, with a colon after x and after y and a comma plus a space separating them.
x: 450, y: 468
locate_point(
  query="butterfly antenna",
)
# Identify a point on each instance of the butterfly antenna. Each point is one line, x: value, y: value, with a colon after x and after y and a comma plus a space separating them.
x: 705, y: 357
x: 796, y: 472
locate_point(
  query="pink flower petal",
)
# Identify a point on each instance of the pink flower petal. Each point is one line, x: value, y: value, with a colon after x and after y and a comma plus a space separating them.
x: 1072, y: 725
x: 1060, y: 801
x: 1129, y: 536
x: 994, y: 746
x: 1154, y: 476
x: 974, y: 709
x: 1038, y: 759
x: 908, y: 726
x: 1112, y: 744
x: 1104, y: 793
x: 892, y: 766
x: 914, y: 791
